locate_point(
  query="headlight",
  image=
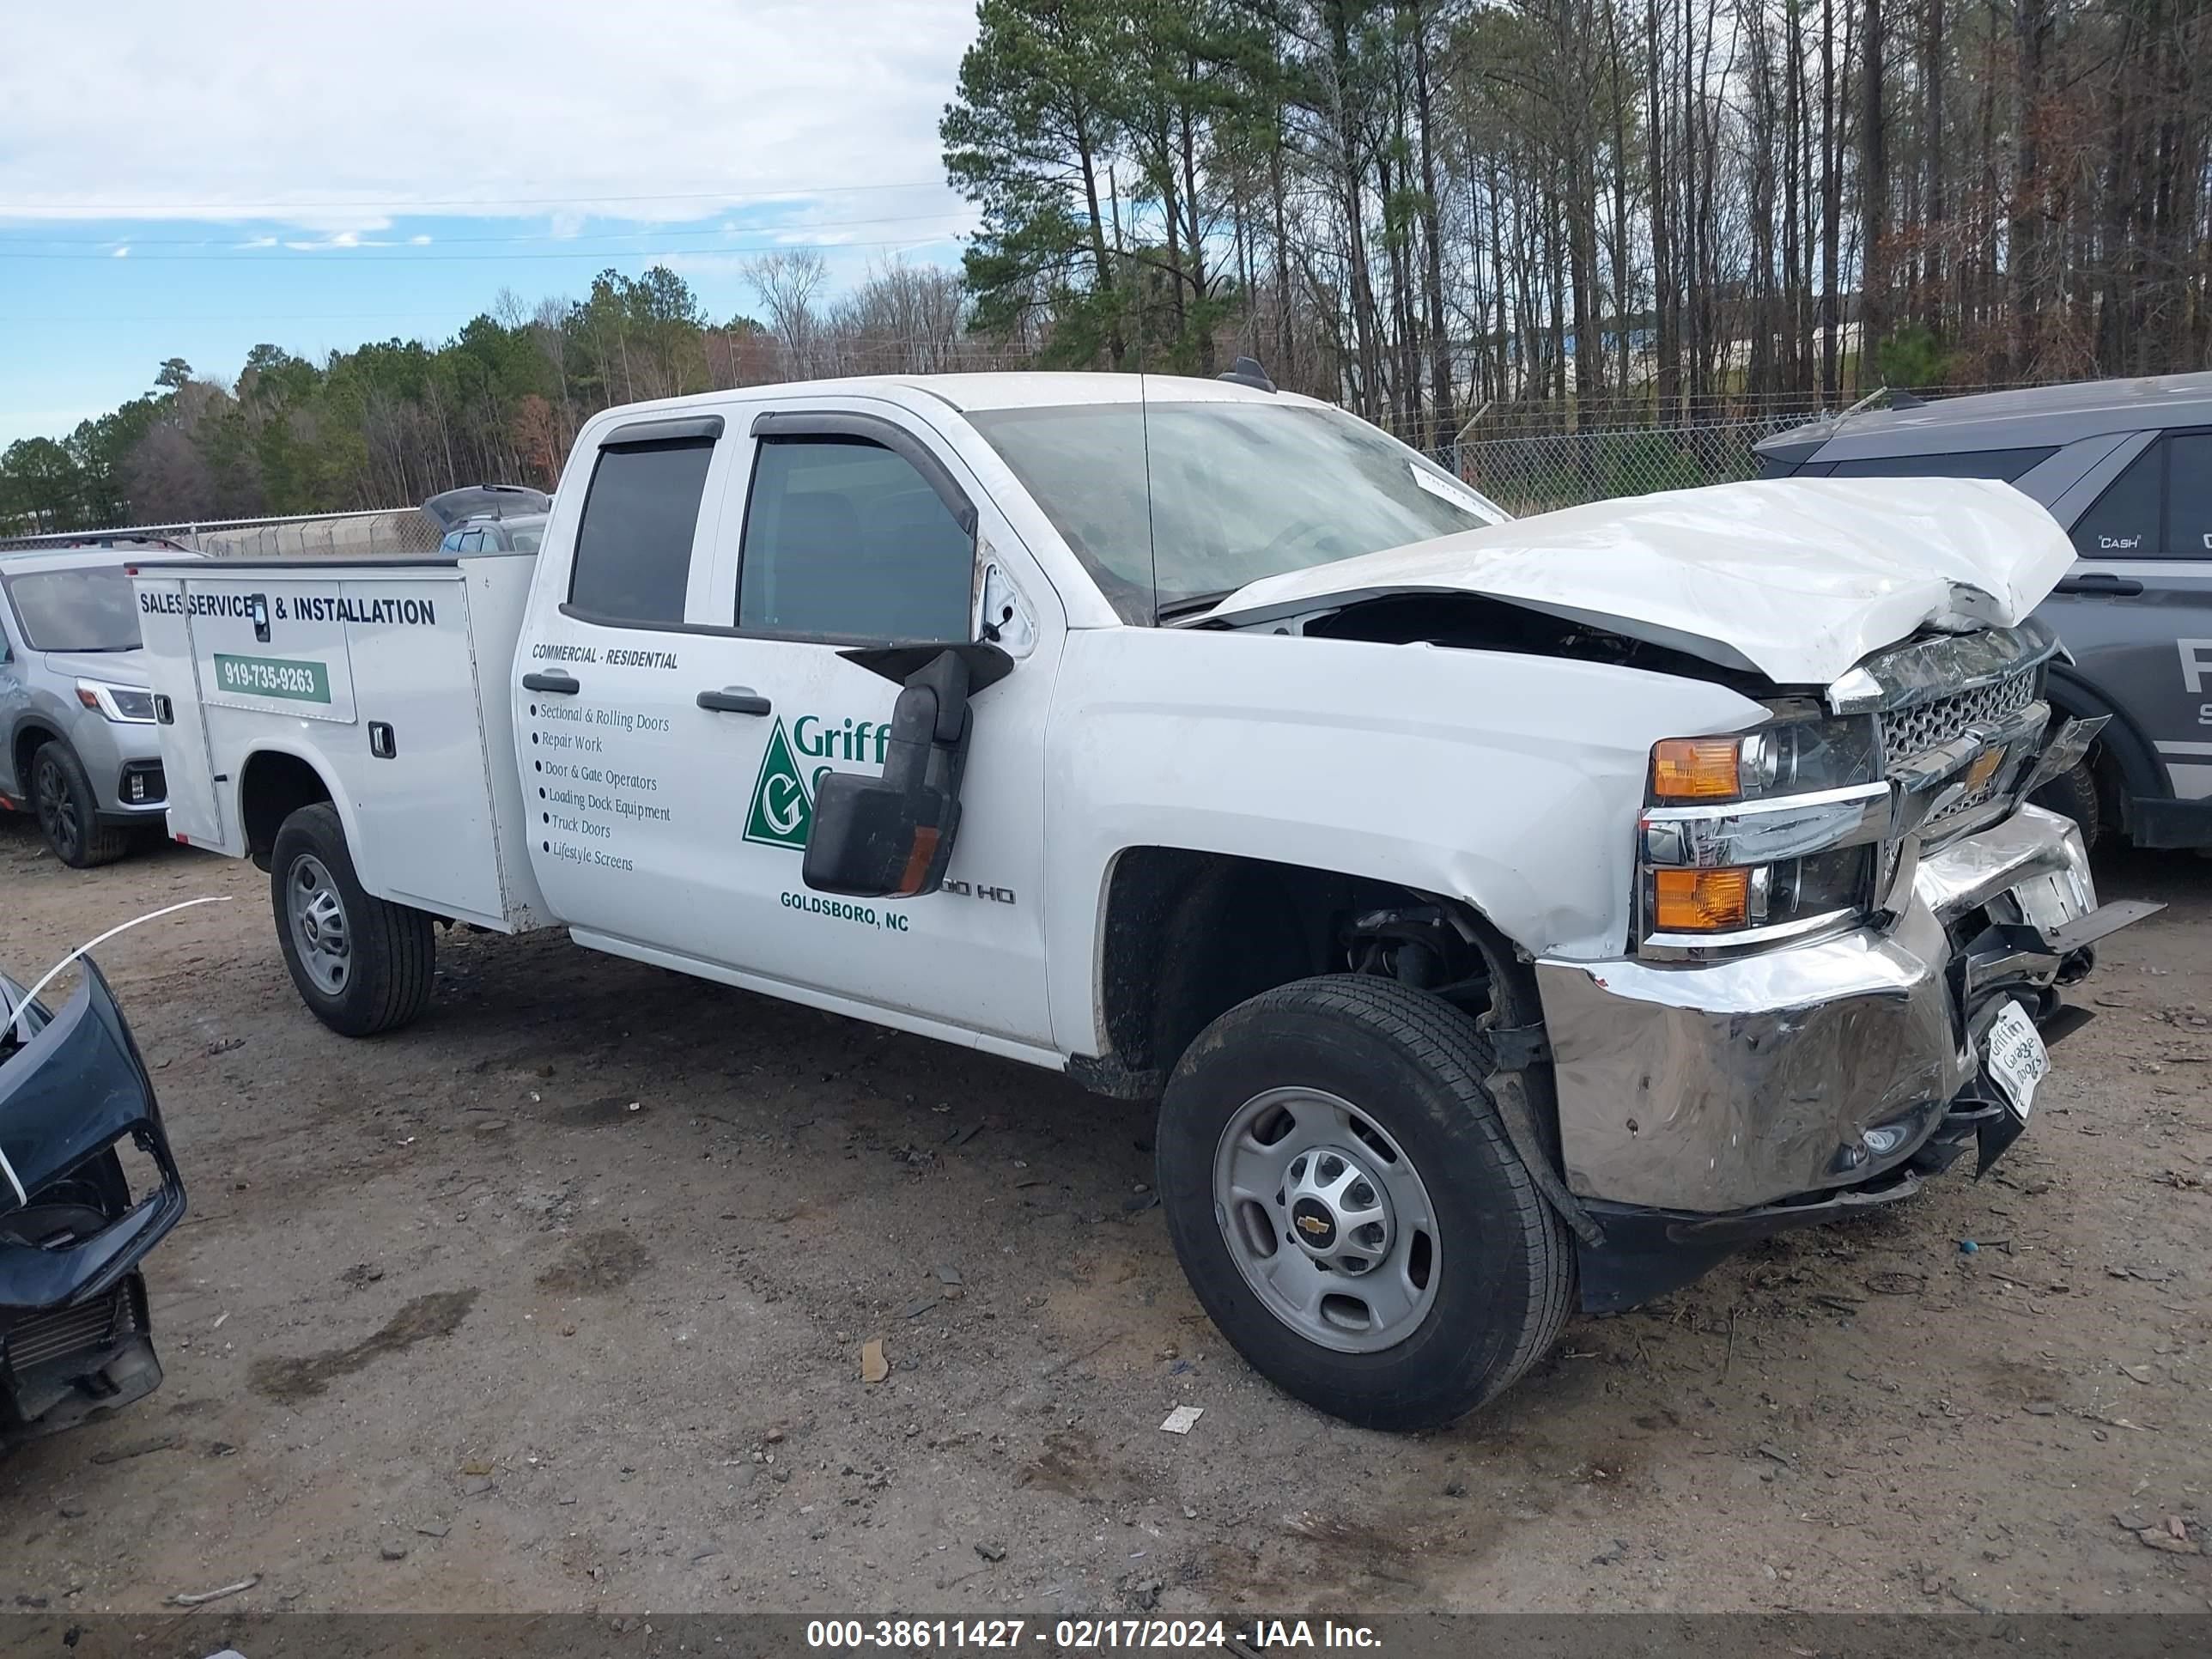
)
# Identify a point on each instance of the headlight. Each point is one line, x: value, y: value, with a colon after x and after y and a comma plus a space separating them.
x: 1796, y: 754
x: 1764, y: 835
x: 130, y: 704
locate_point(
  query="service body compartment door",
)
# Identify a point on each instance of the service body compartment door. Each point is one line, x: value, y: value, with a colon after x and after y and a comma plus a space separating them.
x: 419, y: 771
x: 165, y: 630
x: 276, y: 646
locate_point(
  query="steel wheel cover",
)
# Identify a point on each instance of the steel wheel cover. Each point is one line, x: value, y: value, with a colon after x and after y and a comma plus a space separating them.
x: 321, y: 931
x: 1328, y: 1219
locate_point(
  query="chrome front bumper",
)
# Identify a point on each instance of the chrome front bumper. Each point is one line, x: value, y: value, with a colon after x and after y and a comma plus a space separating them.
x: 1718, y: 1086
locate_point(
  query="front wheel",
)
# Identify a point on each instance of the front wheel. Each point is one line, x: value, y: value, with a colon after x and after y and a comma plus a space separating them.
x: 69, y: 810
x: 361, y: 964
x: 1343, y: 1196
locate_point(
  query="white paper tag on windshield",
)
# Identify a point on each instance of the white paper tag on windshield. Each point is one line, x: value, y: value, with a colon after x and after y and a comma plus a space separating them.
x: 1465, y: 500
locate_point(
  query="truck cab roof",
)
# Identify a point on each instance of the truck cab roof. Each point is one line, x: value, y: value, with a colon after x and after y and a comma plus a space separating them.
x: 968, y: 394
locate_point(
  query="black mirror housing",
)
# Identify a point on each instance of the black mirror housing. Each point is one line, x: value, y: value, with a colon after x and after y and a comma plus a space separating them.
x: 892, y: 837
x: 874, y: 840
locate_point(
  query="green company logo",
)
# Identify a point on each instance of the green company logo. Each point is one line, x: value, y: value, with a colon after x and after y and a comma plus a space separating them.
x: 782, y: 812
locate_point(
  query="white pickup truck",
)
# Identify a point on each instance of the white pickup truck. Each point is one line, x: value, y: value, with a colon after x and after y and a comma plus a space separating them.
x: 1496, y: 908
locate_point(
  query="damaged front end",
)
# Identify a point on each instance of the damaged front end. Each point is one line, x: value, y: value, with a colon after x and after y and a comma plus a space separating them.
x: 74, y: 1333
x: 1720, y: 1086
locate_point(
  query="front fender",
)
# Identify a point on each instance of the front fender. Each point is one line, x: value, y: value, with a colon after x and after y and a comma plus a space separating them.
x: 1509, y: 781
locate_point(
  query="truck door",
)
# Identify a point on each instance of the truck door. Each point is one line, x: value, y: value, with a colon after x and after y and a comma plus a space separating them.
x: 861, y: 530
x: 831, y: 537
x: 607, y: 734
x: 2136, y: 611
x: 165, y: 632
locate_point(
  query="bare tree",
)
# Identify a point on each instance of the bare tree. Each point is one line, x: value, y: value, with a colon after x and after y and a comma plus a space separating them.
x: 789, y: 283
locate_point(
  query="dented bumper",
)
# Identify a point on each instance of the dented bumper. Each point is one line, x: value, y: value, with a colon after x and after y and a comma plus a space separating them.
x: 74, y: 1332
x: 1718, y: 1088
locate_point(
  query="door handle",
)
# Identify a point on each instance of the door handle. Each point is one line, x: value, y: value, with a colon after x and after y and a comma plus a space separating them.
x: 2101, y: 582
x: 561, y: 685
x: 734, y: 700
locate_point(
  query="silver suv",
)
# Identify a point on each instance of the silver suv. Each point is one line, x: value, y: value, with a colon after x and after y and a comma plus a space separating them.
x: 77, y: 743
x: 2126, y: 467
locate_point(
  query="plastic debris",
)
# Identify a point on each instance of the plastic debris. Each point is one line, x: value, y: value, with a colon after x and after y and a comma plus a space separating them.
x: 1179, y: 1420
x: 195, y: 1598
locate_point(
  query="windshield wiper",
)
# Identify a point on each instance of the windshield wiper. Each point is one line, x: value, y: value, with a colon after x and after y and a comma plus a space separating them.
x: 1191, y: 605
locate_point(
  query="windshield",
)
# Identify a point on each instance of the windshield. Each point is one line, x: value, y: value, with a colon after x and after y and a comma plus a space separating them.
x: 82, y: 609
x: 1238, y: 491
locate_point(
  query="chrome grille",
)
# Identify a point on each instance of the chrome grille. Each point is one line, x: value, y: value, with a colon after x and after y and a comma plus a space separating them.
x: 1924, y: 725
x: 50, y: 1336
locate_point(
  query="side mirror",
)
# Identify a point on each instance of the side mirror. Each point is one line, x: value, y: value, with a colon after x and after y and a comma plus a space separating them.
x: 892, y: 837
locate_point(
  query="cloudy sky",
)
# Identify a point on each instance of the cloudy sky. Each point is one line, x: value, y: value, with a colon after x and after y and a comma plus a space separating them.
x: 321, y: 174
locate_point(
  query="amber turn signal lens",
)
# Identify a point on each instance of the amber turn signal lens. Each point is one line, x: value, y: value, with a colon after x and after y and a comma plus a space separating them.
x: 1701, y: 901
x: 1695, y: 768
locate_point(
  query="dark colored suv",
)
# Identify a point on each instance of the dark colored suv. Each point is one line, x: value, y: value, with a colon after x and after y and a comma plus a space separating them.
x: 491, y: 518
x: 2126, y: 467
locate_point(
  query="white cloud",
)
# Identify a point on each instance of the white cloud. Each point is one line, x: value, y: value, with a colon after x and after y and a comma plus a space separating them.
x: 552, y: 106
x: 123, y: 252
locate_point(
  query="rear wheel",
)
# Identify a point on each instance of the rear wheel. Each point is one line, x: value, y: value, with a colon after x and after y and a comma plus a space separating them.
x: 361, y: 964
x: 1342, y: 1194
x: 68, y: 810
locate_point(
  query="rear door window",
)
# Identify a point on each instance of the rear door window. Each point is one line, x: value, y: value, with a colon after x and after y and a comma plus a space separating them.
x: 2123, y: 523
x: 634, y: 547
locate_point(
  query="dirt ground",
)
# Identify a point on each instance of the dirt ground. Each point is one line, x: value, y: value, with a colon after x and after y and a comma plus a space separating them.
x: 556, y: 1301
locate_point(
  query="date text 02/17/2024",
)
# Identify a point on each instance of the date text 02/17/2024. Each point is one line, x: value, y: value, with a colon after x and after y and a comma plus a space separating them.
x: 1087, y: 1635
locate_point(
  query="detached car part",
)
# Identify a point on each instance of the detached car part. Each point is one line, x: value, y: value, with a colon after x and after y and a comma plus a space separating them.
x: 74, y: 1333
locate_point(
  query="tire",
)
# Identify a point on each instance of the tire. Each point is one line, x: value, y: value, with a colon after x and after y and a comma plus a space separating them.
x: 68, y: 808
x: 2073, y: 793
x: 362, y: 965
x: 1499, y: 1265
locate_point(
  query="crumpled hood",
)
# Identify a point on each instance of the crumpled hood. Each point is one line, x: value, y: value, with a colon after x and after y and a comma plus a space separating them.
x: 116, y: 667
x: 1796, y: 578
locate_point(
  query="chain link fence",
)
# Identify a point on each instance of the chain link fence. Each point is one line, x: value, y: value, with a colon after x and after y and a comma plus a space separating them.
x: 384, y: 534
x: 1537, y: 473
x: 1536, y: 456
x: 393, y: 532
